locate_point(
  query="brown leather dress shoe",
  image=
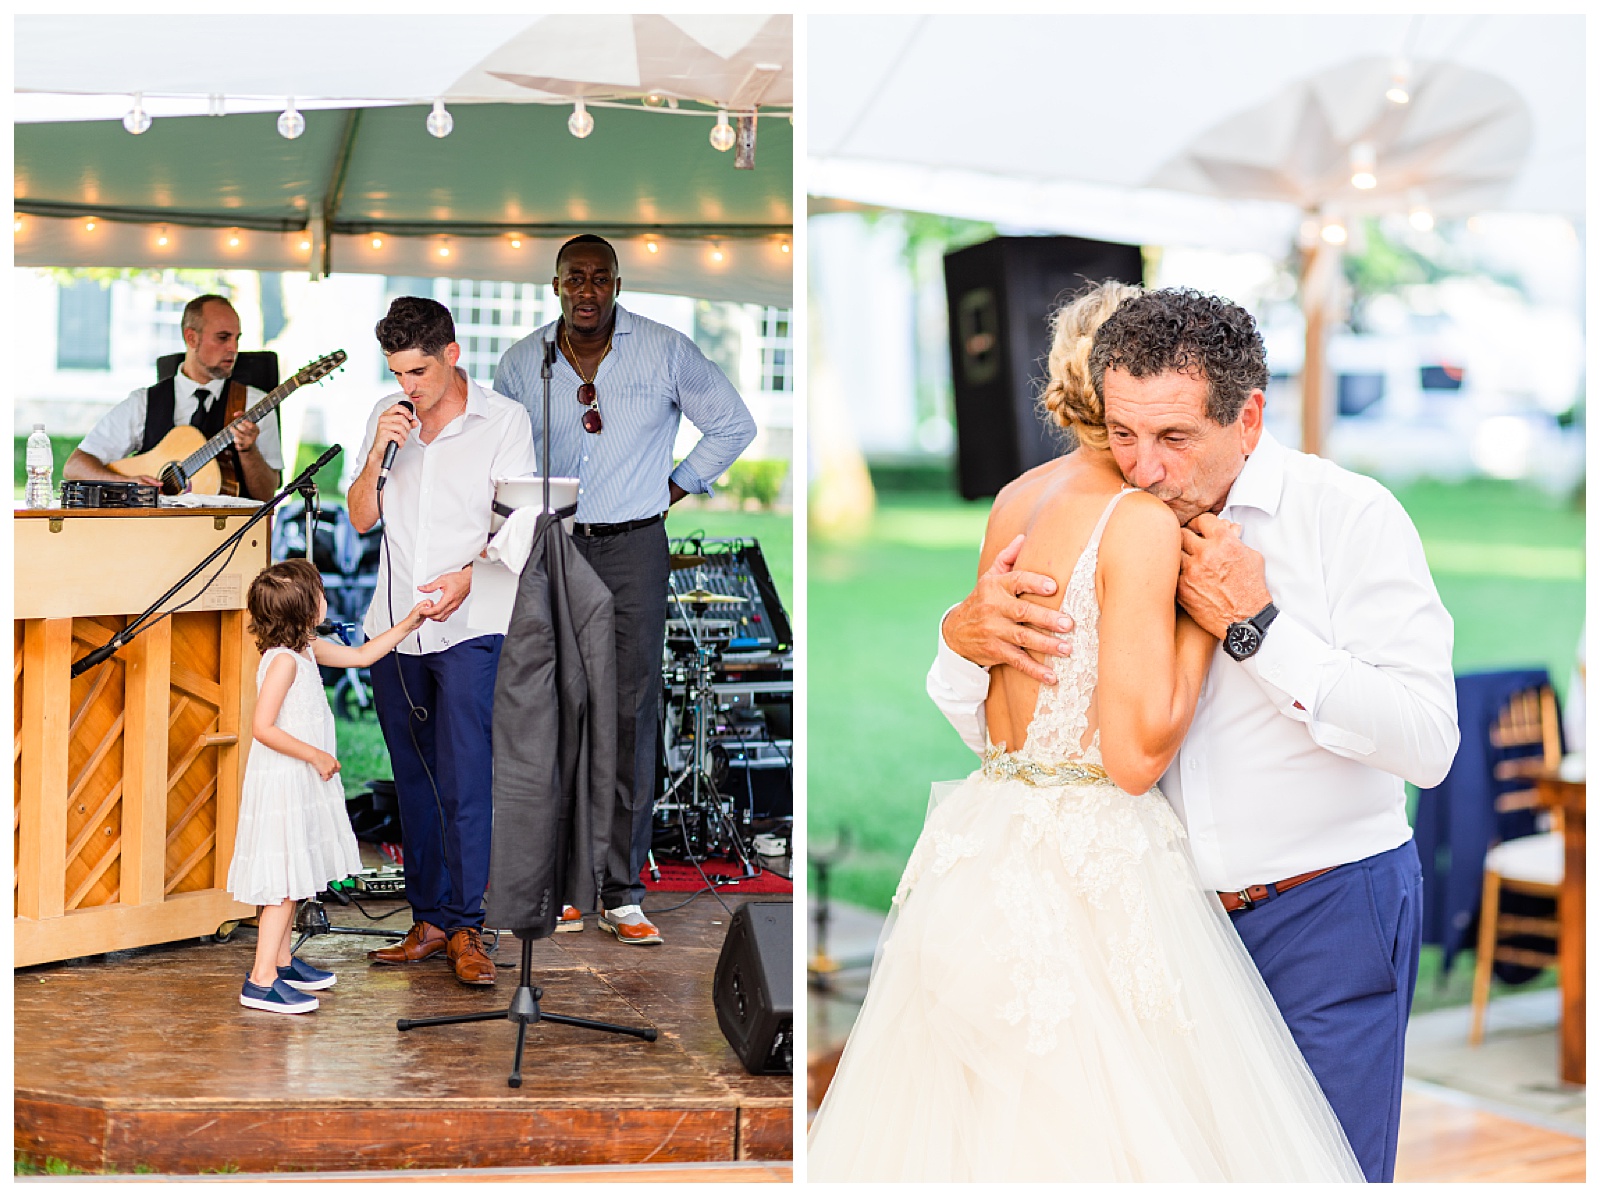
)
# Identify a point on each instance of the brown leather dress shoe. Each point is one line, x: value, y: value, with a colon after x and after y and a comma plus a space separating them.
x: 467, y: 956
x: 423, y: 941
x: 630, y: 926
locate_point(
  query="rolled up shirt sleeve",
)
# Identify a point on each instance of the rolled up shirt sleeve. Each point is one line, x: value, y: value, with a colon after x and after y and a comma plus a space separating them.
x: 715, y: 408
x: 960, y: 689
x: 119, y: 431
x: 1382, y: 691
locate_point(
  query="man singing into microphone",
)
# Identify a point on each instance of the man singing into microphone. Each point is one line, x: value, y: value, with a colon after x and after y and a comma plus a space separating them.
x: 621, y: 384
x: 447, y: 440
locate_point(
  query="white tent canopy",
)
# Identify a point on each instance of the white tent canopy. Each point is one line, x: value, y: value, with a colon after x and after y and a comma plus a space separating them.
x: 366, y: 188
x: 1215, y: 131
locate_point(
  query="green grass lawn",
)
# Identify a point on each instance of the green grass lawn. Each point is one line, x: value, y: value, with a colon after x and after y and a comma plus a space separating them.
x: 1508, y: 562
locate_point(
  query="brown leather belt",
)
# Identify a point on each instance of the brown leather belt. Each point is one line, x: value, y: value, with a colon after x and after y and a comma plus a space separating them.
x: 1249, y: 898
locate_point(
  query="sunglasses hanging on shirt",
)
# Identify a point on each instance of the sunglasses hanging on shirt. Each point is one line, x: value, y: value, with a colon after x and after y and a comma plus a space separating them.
x: 587, y: 396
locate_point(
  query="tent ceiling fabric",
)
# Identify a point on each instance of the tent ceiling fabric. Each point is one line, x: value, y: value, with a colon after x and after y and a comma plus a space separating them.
x: 371, y: 58
x: 1124, y: 113
x: 508, y: 169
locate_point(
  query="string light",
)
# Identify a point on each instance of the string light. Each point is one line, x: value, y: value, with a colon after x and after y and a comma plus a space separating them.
x: 305, y: 243
x: 516, y: 243
x: 233, y: 239
x: 440, y: 122
x: 784, y: 246
x: 1399, y: 83
x: 290, y: 123
x: 89, y: 225
x: 716, y: 254
x: 16, y: 223
x: 377, y: 243
x: 137, y: 120
x: 1420, y: 215
x: 652, y: 246
x: 722, y: 132
x: 1363, y: 166
x: 580, y: 124
x: 444, y: 252
x: 1334, y: 232
x: 161, y: 238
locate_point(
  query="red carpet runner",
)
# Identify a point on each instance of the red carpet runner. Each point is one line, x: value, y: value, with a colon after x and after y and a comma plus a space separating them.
x: 679, y: 876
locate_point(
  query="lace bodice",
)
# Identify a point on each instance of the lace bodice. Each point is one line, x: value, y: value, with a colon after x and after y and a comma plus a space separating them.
x: 305, y: 712
x: 1061, y: 714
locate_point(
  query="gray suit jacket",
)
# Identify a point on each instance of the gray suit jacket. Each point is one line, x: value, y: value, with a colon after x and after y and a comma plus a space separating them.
x: 555, y: 741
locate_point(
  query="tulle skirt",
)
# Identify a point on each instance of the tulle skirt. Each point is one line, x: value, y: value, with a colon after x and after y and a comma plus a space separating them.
x: 1057, y: 998
x: 294, y: 832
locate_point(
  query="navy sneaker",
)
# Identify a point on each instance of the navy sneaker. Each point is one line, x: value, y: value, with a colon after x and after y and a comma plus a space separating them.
x: 280, y: 998
x: 303, y: 976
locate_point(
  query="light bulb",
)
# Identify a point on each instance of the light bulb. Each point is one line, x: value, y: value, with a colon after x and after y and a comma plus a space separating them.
x: 89, y: 225
x: 654, y: 100
x: 784, y: 246
x: 440, y: 122
x: 290, y: 123
x: 652, y: 246
x: 1399, y: 83
x: 162, y: 239
x: 580, y: 124
x: 137, y: 120
x: 16, y: 224
x: 722, y: 132
x: 377, y: 243
x: 516, y: 243
x: 716, y: 254
x: 1363, y: 166
x: 233, y: 240
x: 305, y: 244
x: 444, y: 252
x: 1334, y: 233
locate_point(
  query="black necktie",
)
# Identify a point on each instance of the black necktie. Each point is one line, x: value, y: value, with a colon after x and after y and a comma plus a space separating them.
x: 202, y: 409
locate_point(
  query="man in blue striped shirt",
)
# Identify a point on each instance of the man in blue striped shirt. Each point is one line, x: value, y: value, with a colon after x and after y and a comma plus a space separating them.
x: 621, y: 383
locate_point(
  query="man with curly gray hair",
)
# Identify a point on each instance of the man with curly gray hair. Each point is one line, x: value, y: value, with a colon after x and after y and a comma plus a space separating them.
x: 1332, y: 686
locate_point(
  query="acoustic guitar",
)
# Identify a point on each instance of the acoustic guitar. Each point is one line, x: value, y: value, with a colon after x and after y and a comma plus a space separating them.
x: 184, y: 460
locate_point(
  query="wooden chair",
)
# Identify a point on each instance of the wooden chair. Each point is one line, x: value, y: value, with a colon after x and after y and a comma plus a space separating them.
x: 1529, y: 729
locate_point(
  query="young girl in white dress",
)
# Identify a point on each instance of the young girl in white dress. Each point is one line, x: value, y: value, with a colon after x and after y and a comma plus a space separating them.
x: 294, y: 832
x: 1060, y: 999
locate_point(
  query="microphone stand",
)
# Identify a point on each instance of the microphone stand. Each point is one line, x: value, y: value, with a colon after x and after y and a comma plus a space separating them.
x: 136, y: 627
x: 524, y: 1009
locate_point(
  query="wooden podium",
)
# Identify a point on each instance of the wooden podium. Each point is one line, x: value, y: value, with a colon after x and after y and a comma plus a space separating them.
x: 127, y: 778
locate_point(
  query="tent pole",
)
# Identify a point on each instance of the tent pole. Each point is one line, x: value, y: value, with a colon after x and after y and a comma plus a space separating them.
x: 333, y: 194
x: 1317, y: 268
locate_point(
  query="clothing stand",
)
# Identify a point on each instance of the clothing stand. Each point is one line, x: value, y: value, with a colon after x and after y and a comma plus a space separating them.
x: 524, y: 1009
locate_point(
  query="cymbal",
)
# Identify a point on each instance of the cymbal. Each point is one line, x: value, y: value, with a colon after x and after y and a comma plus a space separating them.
x: 701, y: 597
x: 679, y: 562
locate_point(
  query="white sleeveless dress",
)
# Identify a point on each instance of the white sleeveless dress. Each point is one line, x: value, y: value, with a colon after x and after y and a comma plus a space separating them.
x: 294, y: 831
x: 1058, y: 998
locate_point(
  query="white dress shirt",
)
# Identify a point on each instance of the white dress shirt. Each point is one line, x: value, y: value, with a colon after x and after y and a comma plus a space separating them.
x: 436, y: 509
x: 119, y: 433
x: 1297, y: 756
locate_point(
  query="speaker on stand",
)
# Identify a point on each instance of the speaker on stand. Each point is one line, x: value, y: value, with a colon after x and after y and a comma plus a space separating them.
x: 1001, y: 294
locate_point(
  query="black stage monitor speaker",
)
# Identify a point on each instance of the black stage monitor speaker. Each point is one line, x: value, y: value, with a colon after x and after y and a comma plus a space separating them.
x: 753, y: 990
x: 1001, y: 294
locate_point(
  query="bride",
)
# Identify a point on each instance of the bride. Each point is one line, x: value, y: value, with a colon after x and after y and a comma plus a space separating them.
x: 1057, y: 997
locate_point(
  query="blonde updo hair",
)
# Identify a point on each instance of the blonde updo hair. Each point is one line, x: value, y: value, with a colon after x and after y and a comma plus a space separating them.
x: 1069, y: 398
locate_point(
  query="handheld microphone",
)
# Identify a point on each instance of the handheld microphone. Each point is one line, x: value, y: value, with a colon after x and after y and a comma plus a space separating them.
x: 391, y: 450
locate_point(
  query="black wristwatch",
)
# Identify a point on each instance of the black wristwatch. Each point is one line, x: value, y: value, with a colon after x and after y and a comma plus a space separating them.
x: 1244, y: 637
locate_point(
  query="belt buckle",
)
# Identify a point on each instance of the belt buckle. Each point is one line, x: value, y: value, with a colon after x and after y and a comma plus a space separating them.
x: 1244, y: 899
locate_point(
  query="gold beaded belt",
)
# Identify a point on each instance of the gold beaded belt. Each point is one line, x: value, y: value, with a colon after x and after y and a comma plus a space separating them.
x: 1001, y: 764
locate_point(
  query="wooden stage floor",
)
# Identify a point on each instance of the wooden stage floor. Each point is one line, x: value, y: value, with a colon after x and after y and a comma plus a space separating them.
x: 145, y: 1061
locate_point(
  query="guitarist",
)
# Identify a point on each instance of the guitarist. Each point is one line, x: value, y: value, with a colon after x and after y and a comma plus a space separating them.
x: 211, y: 342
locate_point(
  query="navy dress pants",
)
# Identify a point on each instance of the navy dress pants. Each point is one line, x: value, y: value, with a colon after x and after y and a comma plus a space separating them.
x: 634, y: 565
x: 446, y: 838
x: 1339, y: 955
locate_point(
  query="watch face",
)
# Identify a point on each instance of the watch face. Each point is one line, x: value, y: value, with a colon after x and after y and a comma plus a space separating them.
x: 1243, y: 640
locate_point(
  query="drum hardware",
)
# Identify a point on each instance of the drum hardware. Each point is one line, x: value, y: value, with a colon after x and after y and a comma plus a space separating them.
x: 699, y: 596
x: 684, y: 562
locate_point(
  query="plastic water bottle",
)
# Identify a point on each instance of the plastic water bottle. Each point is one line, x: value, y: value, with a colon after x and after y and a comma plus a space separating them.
x: 41, y: 467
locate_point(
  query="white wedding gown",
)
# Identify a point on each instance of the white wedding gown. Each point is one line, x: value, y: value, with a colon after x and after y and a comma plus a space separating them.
x: 1057, y: 997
